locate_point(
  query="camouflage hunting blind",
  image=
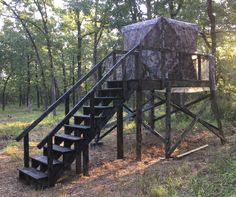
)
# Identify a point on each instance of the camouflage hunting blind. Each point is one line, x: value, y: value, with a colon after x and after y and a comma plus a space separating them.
x: 179, y: 41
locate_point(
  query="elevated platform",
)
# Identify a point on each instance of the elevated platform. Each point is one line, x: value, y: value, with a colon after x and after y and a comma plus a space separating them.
x: 177, y: 86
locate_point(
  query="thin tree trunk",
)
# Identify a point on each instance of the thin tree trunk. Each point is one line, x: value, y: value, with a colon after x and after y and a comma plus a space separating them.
x: 4, y: 92
x: 37, y: 87
x: 95, y: 37
x: 44, y: 18
x: 20, y: 95
x: 39, y: 61
x: 174, y: 11
x: 72, y: 77
x: 79, y: 49
x: 28, y: 82
x: 212, y: 18
x: 63, y: 70
x: 149, y: 9
x: 133, y: 10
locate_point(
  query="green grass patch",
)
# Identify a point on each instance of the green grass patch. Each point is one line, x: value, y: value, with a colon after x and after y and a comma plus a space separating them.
x: 14, y: 119
x: 217, y: 179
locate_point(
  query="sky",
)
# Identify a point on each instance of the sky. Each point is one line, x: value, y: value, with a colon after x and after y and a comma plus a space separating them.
x: 58, y: 3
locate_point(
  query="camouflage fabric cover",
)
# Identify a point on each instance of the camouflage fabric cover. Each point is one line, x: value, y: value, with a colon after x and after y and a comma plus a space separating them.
x: 164, y: 33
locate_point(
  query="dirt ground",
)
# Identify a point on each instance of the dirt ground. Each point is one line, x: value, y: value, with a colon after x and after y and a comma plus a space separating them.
x: 109, y: 176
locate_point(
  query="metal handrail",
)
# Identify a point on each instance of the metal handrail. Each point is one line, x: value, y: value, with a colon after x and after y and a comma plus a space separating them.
x: 85, y: 98
x: 62, y: 98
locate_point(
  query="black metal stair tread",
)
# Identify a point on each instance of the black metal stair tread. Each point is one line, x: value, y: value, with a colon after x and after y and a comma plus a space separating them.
x: 88, y: 116
x: 60, y: 149
x: 107, y: 97
x: 115, y: 81
x: 111, y: 89
x: 99, y: 107
x: 69, y: 137
x: 34, y: 173
x: 44, y: 159
x: 76, y: 126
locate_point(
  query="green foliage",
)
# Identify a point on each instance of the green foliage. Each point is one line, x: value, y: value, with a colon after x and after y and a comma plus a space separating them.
x: 62, y: 23
x: 219, y: 180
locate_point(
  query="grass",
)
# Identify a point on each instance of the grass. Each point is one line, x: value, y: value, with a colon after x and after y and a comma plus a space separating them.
x: 14, y: 119
x: 217, y: 179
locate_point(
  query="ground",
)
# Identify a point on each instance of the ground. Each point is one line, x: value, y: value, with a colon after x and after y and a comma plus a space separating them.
x: 199, y: 174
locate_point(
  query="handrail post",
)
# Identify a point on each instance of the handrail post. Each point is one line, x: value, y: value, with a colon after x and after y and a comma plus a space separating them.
x: 168, y: 121
x: 92, y: 133
x: 124, y: 79
x: 92, y: 112
x: 114, y: 62
x: 139, y: 96
x: 26, y: 150
x: 163, y: 73
x: 67, y: 106
x: 199, y: 62
x: 100, y: 71
x: 50, y: 162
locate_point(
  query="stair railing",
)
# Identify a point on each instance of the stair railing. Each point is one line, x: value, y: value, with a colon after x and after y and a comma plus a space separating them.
x: 89, y: 95
x: 65, y: 98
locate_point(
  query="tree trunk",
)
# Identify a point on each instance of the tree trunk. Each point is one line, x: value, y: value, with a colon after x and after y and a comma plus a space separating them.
x: 44, y: 18
x: 149, y: 9
x: 20, y: 95
x: 72, y: 77
x: 79, y: 56
x: 212, y: 18
x: 173, y: 10
x: 37, y: 87
x: 34, y: 46
x: 95, y: 38
x: 63, y: 70
x: 28, y: 82
x: 133, y: 10
x: 4, y: 92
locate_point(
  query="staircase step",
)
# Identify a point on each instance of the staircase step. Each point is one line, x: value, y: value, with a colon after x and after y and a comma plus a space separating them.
x: 107, y: 98
x: 87, y: 117
x: 110, y: 92
x: 77, y: 127
x: 99, y: 107
x: 44, y: 160
x: 69, y: 137
x: 111, y: 89
x: 114, y: 83
x: 33, y: 173
x: 60, y: 149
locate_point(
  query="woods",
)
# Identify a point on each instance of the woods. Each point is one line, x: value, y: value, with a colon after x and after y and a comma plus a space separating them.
x: 46, y: 46
x: 124, y: 100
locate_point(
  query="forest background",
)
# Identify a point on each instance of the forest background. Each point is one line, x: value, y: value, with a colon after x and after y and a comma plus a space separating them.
x: 46, y: 45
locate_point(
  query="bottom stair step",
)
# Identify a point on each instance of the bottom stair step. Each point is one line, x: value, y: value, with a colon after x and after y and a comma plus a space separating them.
x: 33, y: 173
x: 44, y: 159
